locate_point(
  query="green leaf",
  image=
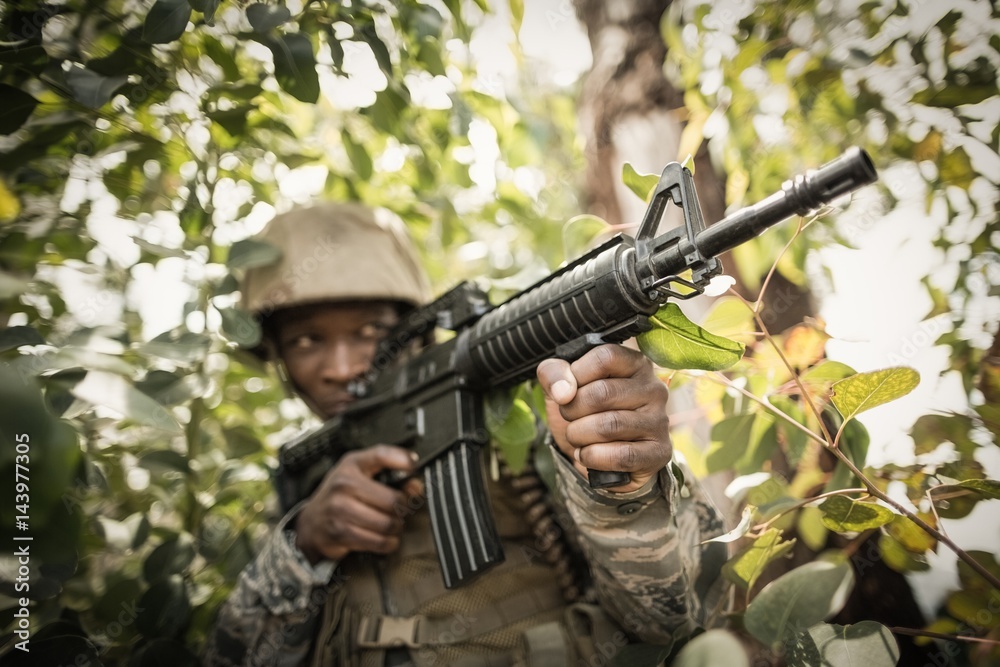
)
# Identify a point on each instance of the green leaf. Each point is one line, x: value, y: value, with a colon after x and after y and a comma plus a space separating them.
x: 730, y: 440
x: 182, y: 347
x: 295, y: 66
x: 517, y: 14
x: 168, y: 388
x: 17, y: 108
x: 161, y: 461
x: 988, y: 488
x: 169, y: 558
x: 378, y: 48
x: 240, y: 327
x: 745, y: 568
x: 514, y: 431
x: 115, y: 392
x: 12, y: 337
x: 265, y: 18
x: 166, y: 21
x: 157, y: 249
x: 164, y: 608
x: 899, y: 558
x: 90, y: 88
x: 798, y: 600
x: 206, y: 7
x: 711, y: 649
x: 866, y: 643
x: 251, y: 253
x: 677, y: 342
x: 864, y: 391
x: 640, y: 184
x: 844, y: 515
x: 360, y: 159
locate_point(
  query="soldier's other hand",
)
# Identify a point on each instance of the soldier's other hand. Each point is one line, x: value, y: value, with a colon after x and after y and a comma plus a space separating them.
x: 607, y: 411
x: 351, y: 511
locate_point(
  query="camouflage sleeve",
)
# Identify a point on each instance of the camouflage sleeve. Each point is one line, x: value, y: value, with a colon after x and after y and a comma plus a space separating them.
x: 651, y: 572
x: 271, y: 616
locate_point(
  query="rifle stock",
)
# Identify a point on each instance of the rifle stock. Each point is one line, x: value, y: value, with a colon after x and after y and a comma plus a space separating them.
x: 433, y: 402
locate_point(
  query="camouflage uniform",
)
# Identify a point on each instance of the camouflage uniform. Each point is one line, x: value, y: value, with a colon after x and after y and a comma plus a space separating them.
x: 650, y: 572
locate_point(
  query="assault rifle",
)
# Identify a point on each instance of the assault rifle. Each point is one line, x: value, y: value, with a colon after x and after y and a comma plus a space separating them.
x: 432, y: 402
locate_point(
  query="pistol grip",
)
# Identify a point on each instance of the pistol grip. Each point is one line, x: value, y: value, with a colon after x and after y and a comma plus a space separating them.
x: 603, y: 479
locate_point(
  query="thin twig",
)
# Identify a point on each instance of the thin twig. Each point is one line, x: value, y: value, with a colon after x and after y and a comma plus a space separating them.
x: 940, y: 635
x: 941, y: 537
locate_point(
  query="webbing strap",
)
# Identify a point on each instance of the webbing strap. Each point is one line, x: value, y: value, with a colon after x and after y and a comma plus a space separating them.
x: 416, y: 631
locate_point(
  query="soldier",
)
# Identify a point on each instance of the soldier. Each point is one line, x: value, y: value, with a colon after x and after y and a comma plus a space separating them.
x: 349, y: 579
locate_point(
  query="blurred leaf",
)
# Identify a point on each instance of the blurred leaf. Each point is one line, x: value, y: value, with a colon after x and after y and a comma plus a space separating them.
x: 295, y: 66
x: 987, y: 488
x: 729, y: 317
x: 90, y: 88
x: 798, y: 600
x: 13, y: 337
x: 360, y: 159
x: 240, y: 327
x: 18, y: 107
x: 910, y: 536
x: 845, y: 515
x: 168, y: 388
x: 746, y: 567
x: 166, y: 21
x: 711, y: 649
x: 160, y: 461
x: 265, y: 18
x: 730, y: 440
x: 804, y: 346
x: 164, y: 609
x: 171, y: 557
x: 899, y: 558
x: 866, y: 643
x: 252, y: 253
x: 865, y: 391
x: 514, y: 431
x: 378, y: 48
x: 158, y: 250
x: 972, y: 580
x: 641, y: 184
x: 180, y: 346
x: 677, y: 342
x: 113, y: 391
x: 206, y: 7
x: 952, y: 501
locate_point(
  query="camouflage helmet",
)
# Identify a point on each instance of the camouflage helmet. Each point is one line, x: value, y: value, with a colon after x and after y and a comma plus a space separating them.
x: 335, y: 252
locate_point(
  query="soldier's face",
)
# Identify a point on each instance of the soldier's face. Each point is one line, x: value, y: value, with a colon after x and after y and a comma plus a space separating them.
x: 325, y: 347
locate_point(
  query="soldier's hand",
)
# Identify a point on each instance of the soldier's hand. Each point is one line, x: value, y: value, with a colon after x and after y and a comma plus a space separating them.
x: 607, y: 411
x: 351, y: 511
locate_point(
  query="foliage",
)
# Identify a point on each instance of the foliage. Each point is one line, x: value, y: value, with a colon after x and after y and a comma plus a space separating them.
x: 144, y: 143
x: 914, y: 85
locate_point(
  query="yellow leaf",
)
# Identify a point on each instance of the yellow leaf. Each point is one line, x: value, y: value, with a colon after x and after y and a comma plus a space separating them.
x: 10, y: 206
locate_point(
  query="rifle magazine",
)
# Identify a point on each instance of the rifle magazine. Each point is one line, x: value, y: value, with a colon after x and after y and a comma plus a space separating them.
x: 465, y: 532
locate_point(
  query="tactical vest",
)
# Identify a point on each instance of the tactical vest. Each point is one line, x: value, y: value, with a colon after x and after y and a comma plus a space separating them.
x: 515, y: 614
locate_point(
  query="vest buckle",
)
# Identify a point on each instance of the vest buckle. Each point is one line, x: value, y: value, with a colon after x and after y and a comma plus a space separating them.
x: 388, y: 631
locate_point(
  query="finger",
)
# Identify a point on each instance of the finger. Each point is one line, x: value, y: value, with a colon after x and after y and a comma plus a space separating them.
x: 613, y: 426
x: 614, y: 394
x: 557, y: 380
x: 609, y: 361
x: 374, y: 460
x: 413, y: 487
x: 375, y: 494
x: 356, y: 513
x: 362, y: 539
x: 640, y: 456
